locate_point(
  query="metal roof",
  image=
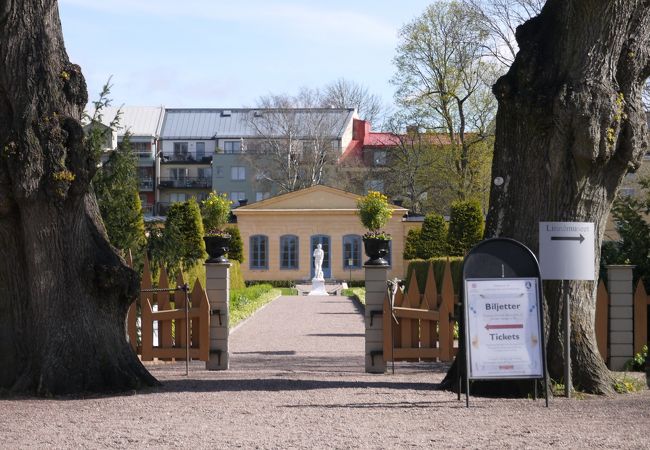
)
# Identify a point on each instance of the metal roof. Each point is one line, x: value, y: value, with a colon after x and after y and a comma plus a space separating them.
x: 138, y: 120
x: 215, y: 123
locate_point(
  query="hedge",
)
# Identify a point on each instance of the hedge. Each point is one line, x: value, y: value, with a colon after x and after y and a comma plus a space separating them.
x: 421, y: 268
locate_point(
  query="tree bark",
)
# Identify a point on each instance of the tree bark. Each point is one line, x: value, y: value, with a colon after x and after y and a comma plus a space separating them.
x: 570, y: 125
x: 64, y: 292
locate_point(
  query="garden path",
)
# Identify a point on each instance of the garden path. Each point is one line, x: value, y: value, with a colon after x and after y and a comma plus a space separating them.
x: 301, y: 334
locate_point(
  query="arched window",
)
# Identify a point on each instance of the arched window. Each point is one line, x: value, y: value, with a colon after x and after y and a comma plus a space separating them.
x: 288, y: 252
x: 259, y: 252
x: 351, y: 251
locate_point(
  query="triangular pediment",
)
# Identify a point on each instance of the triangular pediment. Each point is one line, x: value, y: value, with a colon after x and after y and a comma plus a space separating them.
x: 315, y: 197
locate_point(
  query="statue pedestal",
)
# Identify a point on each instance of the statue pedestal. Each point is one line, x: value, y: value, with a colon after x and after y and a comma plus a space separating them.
x: 318, y: 287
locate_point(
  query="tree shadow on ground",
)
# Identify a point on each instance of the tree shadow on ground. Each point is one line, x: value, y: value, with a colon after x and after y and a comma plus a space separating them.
x: 283, y: 384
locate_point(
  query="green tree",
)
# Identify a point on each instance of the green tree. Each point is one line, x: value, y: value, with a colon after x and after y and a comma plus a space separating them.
x: 215, y: 211
x: 630, y: 220
x: 433, y: 238
x: 183, y: 236
x: 443, y: 77
x: 465, y: 226
x: 412, y: 243
x: 236, y: 246
x: 116, y: 189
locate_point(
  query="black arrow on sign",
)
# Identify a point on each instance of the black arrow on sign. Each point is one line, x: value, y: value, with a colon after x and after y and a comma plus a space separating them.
x: 568, y: 238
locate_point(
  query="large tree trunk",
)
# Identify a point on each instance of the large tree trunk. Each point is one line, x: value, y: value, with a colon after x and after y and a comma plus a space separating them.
x: 570, y: 125
x: 64, y: 292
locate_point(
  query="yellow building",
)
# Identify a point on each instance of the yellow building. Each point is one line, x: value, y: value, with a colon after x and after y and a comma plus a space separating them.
x: 281, y: 233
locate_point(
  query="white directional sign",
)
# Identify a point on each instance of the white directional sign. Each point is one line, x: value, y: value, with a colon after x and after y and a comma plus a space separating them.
x: 566, y: 250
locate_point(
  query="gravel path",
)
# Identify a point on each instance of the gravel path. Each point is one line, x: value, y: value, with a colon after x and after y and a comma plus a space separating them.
x: 297, y: 381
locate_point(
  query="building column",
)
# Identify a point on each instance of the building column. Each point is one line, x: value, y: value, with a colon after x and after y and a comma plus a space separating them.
x: 621, y: 308
x: 376, y: 277
x: 217, y: 278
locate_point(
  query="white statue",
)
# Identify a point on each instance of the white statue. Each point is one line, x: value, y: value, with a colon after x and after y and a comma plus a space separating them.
x: 319, y: 254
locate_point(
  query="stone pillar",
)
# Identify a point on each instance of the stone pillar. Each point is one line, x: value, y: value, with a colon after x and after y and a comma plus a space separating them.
x: 217, y: 282
x: 376, y: 277
x: 621, y: 308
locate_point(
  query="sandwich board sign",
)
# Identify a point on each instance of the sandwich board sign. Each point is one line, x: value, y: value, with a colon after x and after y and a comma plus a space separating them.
x: 504, y: 330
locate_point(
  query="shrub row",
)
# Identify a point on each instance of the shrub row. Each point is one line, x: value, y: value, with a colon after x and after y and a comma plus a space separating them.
x: 421, y: 267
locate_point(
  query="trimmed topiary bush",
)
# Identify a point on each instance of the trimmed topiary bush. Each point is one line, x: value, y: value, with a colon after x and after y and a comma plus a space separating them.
x: 236, y: 246
x: 465, y: 226
x: 433, y: 237
x: 236, y: 278
x: 421, y: 267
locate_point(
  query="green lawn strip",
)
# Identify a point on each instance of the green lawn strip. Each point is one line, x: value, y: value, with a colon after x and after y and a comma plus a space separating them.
x: 357, y: 293
x: 244, y: 302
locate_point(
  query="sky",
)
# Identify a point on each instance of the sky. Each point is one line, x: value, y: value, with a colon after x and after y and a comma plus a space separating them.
x: 200, y: 53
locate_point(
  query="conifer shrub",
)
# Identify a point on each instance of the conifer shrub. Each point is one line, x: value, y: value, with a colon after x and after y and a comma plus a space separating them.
x: 421, y: 267
x: 465, y: 226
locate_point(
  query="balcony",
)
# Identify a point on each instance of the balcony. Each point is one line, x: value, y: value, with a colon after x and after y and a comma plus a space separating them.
x: 185, y: 183
x: 185, y: 158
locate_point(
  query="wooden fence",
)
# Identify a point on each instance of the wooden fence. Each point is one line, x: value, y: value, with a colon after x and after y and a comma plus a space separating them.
x: 423, y: 324
x: 168, y: 310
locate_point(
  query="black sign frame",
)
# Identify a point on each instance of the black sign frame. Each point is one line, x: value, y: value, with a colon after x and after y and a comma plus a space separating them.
x: 501, y: 258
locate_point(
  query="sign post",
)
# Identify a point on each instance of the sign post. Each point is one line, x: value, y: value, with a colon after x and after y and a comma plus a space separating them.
x: 504, y: 330
x: 567, y: 252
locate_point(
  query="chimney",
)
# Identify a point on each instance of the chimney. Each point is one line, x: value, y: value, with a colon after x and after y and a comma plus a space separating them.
x: 360, y: 129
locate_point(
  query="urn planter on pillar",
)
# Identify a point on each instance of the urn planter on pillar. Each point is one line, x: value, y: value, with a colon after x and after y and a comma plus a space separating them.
x: 376, y: 249
x: 217, y: 246
x: 374, y: 213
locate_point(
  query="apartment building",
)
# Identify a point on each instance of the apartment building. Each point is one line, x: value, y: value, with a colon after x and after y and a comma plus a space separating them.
x: 143, y: 124
x: 227, y: 150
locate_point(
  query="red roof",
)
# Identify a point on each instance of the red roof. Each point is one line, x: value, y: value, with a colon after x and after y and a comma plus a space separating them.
x: 381, y: 140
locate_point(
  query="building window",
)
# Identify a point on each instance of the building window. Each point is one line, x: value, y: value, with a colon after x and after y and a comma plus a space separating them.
x: 200, y: 150
x: 235, y: 196
x: 218, y: 171
x: 379, y: 157
x: 352, y: 251
x: 180, y: 150
x: 237, y: 173
x: 259, y: 258
x: 178, y: 174
x: 177, y: 197
x: 259, y: 196
x: 288, y: 252
x: 232, y: 147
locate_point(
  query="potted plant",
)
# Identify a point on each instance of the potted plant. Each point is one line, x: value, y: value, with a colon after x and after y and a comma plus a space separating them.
x: 374, y: 213
x: 216, y: 212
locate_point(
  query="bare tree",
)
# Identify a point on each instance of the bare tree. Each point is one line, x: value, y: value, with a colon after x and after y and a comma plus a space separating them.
x: 64, y: 292
x: 344, y: 93
x: 293, y: 147
x: 499, y: 20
